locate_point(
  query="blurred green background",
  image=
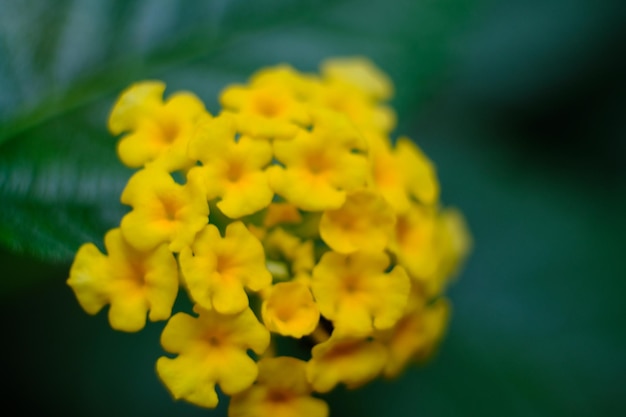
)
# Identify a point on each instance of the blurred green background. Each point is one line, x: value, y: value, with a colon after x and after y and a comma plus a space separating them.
x: 521, y: 104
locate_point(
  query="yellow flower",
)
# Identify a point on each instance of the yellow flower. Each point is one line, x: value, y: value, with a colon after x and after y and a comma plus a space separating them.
x: 431, y: 245
x: 132, y: 282
x: 354, y: 87
x: 212, y: 349
x: 356, y: 294
x: 320, y: 166
x: 281, y: 390
x: 232, y: 167
x: 353, y: 362
x: 359, y: 72
x: 290, y: 310
x: 267, y: 108
x: 319, y: 225
x: 451, y: 244
x: 364, y: 222
x: 300, y: 85
x: 351, y: 102
x: 435, y: 322
x: 415, y: 336
x: 216, y: 270
x: 386, y: 174
x: 455, y: 241
x: 158, y: 131
x: 163, y: 211
x: 419, y: 172
x: 414, y: 242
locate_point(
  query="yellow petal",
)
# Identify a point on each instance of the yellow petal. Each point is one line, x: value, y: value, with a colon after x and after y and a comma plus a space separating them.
x: 360, y: 72
x: 290, y: 310
x: 88, y: 278
x: 187, y: 379
x: 364, y: 222
x: 356, y: 294
x: 163, y: 211
x: 136, y: 102
x: 420, y: 176
x: 353, y: 362
x: 212, y: 349
x: 128, y: 312
x: 216, y: 269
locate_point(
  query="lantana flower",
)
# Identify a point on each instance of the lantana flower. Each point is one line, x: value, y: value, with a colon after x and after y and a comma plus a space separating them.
x: 156, y: 131
x: 354, y: 87
x: 364, y: 222
x: 454, y: 242
x: 430, y: 245
x: 216, y: 270
x: 320, y: 166
x: 212, y: 350
x: 268, y: 109
x: 281, y: 390
x: 163, y: 211
x: 414, y: 239
x: 298, y: 227
x: 300, y: 84
x: 132, y: 282
x: 361, y: 73
x: 345, y: 99
x: 290, y: 310
x: 387, y: 176
x: 351, y: 361
x: 415, y: 335
x: 419, y: 172
x: 356, y: 294
x: 232, y: 167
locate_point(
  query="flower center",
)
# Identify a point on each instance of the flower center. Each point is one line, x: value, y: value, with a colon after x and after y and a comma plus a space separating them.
x: 342, y: 350
x: 169, y: 131
x: 137, y: 274
x: 402, y: 230
x: 352, y: 285
x: 214, y: 341
x: 268, y: 106
x: 317, y: 163
x: 235, y: 171
x: 224, y: 263
x: 278, y: 396
x: 170, y: 208
x: 285, y: 312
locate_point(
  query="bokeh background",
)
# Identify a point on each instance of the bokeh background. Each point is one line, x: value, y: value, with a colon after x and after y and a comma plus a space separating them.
x: 521, y: 104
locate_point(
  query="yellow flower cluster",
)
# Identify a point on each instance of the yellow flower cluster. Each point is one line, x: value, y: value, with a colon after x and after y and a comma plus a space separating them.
x: 290, y: 215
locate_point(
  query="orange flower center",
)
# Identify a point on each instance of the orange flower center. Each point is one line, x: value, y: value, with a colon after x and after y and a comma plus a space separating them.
x: 268, y: 106
x: 169, y: 130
